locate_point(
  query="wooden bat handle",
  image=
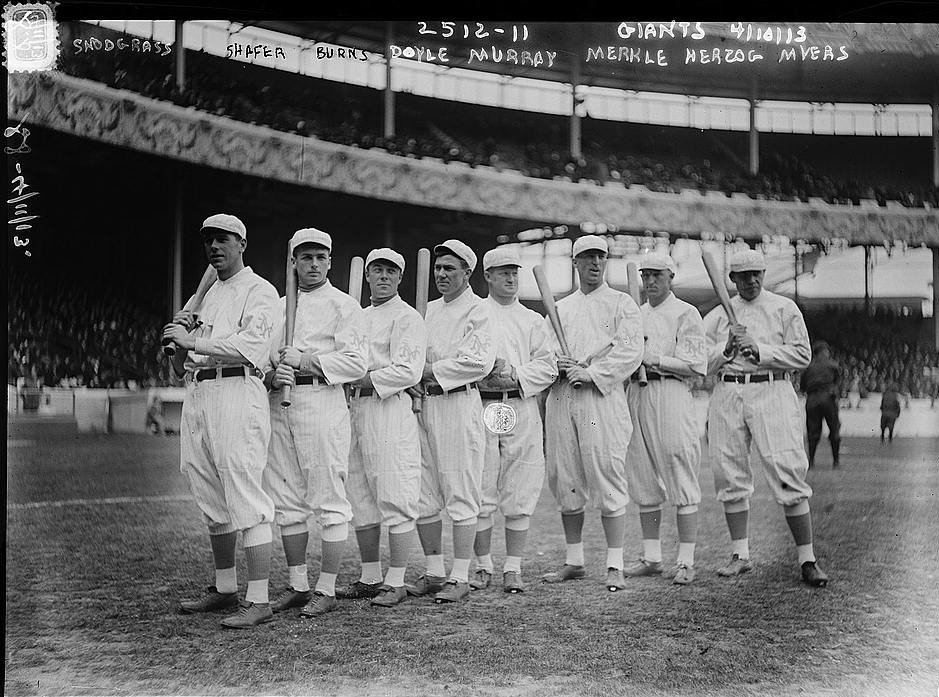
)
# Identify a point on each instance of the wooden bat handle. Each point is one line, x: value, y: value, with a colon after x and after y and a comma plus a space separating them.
x: 632, y: 279
x: 547, y: 298
x: 290, y: 318
x: 205, y: 283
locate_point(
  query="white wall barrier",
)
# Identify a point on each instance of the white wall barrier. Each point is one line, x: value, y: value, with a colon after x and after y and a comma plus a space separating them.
x: 92, y: 409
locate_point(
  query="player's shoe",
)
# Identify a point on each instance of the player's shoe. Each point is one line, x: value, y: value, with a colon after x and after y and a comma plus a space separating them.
x: 389, y: 596
x: 643, y: 568
x: 481, y: 580
x: 290, y: 598
x: 614, y: 580
x: 512, y: 582
x: 249, y: 615
x: 568, y: 572
x: 426, y: 585
x: 319, y: 604
x: 211, y: 601
x: 813, y: 575
x: 359, y: 591
x: 736, y: 567
x: 453, y: 591
x: 684, y: 575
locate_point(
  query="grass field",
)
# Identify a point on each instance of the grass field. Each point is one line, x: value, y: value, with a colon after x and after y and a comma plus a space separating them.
x: 102, y: 541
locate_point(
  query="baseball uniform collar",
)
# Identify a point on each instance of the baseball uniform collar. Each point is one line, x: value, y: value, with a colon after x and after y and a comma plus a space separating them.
x: 603, y: 286
x: 462, y: 297
x: 514, y: 302
x: 668, y: 301
x: 326, y: 285
x: 391, y: 302
x: 234, y: 280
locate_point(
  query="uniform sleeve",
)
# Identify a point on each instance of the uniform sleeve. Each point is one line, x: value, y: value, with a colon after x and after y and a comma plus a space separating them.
x: 408, y: 347
x: 625, y: 356
x: 251, y: 341
x: 475, y: 354
x: 691, y: 349
x: 715, y: 332
x: 795, y: 353
x: 279, y: 333
x: 541, y: 371
x: 349, y: 361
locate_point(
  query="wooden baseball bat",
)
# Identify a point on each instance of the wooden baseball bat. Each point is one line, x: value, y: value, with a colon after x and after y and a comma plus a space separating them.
x: 356, y: 276
x: 291, y: 317
x: 420, y: 304
x: 207, y: 281
x: 717, y: 282
x: 632, y: 278
x: 551, y: 310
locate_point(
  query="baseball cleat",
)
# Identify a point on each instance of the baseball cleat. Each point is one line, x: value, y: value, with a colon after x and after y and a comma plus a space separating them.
x: 249, y: 615
x: 211, y: 601
x: 426, y: 585
x: 359, y: 591
x: 319, y: 604
x: 643, y: 568
x: 389, y: 596
x: 614, y: 580
x: 736, y: 567
x: 452, y: 592
x: 290, y: 598
x: 512, y: 582
x: 684, y: 575
x: 568, y: 572
x: 481, y: 580
x: 813, y: 575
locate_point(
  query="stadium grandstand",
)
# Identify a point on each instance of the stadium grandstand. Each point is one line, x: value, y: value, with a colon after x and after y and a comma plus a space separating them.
x: 830, y: 166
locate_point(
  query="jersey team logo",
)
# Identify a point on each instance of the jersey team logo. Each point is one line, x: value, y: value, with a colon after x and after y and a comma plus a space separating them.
x: 500, y: 418
x: 31, y: 39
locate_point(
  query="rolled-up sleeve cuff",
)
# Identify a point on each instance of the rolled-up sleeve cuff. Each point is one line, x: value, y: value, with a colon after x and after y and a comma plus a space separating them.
x: 766, y: 353
x: 202, y: 347
x: 605, y: 386
x: 672, y: 363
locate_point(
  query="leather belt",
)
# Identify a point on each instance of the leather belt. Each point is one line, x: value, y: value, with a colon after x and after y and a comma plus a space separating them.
x: 755, y: 377
x: 240, y: 371
x: 437, y: 390
x: 654, y: 376
x: 309, y: 380
x: 501, y: 396
x: 361, y: 391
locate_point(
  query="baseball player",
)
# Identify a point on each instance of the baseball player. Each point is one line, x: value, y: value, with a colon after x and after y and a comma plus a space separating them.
x: 224, y: 429
x: 821, y: 383
x: 310, y: 440
x: 665, y: 450
x: 588, y: 429
x: 513, y: 473
x: 754, y: 403
x: 453, y: 439
x: 384, y: 482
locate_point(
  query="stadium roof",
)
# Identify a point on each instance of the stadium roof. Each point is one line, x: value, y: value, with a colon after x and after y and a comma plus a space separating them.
x: 886, y: 63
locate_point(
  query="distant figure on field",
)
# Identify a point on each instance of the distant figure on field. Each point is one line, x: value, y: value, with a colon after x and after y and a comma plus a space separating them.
x: 820, y: 383
x: 155, y: 421
x: 889, y: 410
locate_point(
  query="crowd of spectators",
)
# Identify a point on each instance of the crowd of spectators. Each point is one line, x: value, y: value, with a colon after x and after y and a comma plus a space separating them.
x: 874, y: 351
x: 71, y: 335
x: 534, y: 144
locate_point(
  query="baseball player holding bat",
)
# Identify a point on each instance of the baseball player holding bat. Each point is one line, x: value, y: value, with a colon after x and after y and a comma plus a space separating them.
x: 665, y: 450
x: 225, y: 429
x: 384, y: 482
x: 525, y: 366
x: 588, y: 429
x: 453, y: 440
x: 309, y: 453
x: 755, y: 340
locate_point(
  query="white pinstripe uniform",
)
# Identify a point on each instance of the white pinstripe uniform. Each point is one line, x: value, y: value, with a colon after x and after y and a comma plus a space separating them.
x: 309, y: 453
x: 385, y: 463
x: 453, y: 439
x: 588, y: 430
x: 764, y: 413
x: 514, y: 464
x: 665, y: 450
x: 225, y: 429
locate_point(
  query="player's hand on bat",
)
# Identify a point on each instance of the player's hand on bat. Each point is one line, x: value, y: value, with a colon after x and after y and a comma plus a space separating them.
x: 579, y: 374
x: 566, y: 362
x: 310, y: 363
x: 730, y: 348
x: 415, y: 391
x: 749, y: 348
x: 179, y: 335
x: 650, y: 358
x: 290, y: 356
x: 186, y: 319
x: 283, y: 375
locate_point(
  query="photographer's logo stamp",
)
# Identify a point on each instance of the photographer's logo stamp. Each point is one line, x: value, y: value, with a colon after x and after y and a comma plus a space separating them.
x: 30, y: 37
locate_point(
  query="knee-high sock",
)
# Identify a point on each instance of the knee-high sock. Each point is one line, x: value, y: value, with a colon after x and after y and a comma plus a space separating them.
x: 650, y: 521
x: 223, y: 556
x: 737, y: 514
x: 464, y: 533
x: 369, y: 541
x: 430, y: 533
x: 687, y: 518
x: 799, y: 519
x: 516, y: 534
x: 295, y: 539
x: 573, y: 534
x: 333, y: 543
x: 401, y: 538
x: 614, y: 530
x: 257, y: 541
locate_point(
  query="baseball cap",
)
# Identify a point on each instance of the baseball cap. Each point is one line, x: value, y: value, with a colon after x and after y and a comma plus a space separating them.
x: 385, y: 254
x: 459, y: 250
x: 820, y: 345
x: 657, y: 261
x: 582, y: 244
x: 501, y: 256
x: 226, y: 222
x: 747, y: 260
x: 311, y: 235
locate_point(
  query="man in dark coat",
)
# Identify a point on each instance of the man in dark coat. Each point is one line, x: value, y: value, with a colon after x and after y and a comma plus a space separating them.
x: 820, y: 383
